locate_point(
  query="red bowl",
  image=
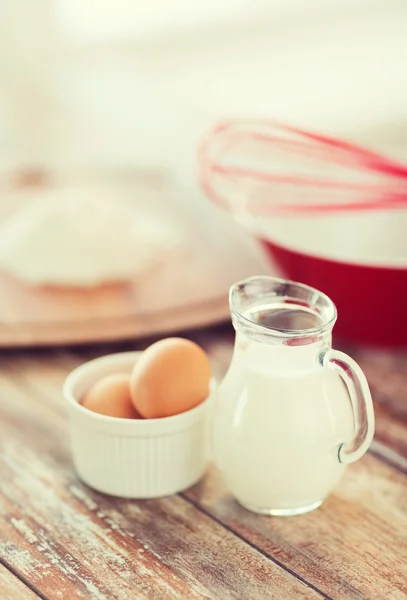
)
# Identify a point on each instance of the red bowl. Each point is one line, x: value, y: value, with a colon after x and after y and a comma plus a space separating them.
x: 371, y: 300
x: 359, y: 260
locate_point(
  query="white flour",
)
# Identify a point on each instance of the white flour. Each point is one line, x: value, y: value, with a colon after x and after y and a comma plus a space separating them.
x: 78, y: 237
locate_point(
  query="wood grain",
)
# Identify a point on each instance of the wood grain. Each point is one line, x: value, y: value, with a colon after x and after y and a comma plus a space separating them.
x: 11, y: 588
x: 354, y: 546
x: 205, y: 544
x: 73, y: 543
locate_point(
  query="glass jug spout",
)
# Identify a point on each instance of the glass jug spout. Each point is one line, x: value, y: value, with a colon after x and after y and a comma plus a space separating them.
x: 280, y: 312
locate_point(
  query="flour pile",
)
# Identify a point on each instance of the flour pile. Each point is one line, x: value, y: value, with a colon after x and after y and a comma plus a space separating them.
x: 78, y: 238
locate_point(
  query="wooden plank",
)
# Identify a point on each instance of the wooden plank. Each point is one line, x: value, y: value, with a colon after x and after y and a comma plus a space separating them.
x: 354, y: 546
x: 371, y: 501
x: 363, y: 517
x: 11, y: 588
x: 73, y: 543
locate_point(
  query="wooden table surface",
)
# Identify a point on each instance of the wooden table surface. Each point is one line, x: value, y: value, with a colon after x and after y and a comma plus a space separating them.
x: 62, y: 541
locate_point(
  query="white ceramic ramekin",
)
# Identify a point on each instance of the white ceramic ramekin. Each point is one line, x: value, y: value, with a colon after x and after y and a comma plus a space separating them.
x: 134, y: 458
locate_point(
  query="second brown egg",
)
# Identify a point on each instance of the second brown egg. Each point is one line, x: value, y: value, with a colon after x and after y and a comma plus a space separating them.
x: 110, y: 396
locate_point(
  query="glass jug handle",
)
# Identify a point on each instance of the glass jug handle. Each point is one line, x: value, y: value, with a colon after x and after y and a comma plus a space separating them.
x: 361, y: 400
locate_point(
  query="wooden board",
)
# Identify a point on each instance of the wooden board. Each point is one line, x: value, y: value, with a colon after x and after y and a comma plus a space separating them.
x: 69, y: 542
x: 39, y: 316
x: 187, y: 289
x: 13, y: 588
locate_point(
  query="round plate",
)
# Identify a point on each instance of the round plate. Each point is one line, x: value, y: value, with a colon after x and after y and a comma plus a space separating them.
x: 190, y: 290
x: 187, y: 289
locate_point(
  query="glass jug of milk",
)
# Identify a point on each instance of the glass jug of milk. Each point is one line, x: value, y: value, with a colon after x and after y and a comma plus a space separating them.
x: 291, y: 412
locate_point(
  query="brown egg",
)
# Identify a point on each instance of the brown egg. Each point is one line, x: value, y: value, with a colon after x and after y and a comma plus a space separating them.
x: 110, y: 396
x: 171, y: 377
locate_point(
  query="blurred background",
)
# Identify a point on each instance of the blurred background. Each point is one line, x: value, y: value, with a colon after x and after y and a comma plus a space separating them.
x: 106, y: 101
x: 120, y: 83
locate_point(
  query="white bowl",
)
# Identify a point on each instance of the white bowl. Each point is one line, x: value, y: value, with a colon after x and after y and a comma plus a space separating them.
x: 134, y: 458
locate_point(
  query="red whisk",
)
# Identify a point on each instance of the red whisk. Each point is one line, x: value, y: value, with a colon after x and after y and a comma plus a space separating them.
x: 265, y: 167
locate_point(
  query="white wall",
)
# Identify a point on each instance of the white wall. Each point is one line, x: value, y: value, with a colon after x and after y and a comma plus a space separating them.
x: 134, y: 82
